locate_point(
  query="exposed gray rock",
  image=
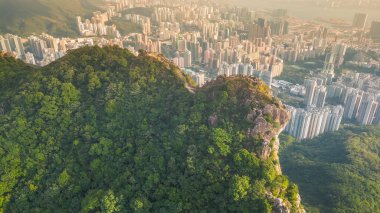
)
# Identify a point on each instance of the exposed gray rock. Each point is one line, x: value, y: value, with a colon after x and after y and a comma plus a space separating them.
x: 213, y: 119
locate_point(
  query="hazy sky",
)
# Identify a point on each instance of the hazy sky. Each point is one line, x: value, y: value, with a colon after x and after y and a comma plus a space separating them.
x: 305, y: 11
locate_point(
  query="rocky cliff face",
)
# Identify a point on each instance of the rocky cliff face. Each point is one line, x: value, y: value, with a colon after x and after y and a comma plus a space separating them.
x: 267, y: 118
x: 268, y: 123
x: 269, y: 132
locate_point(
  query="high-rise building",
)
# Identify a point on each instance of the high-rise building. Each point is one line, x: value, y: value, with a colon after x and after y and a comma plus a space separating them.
x: 37, y: 46
x: 376, y: 120
x: 335, y: 90
x: 334, y: 119
x: 224, y: 69
x: 146, y: 27
x: 15, y: 45
x: 319, y: 96
x: 187, y: 58
x: 199, y: 79
x: 51, y: 42
x: 208, y: 55
x: 314, y: 121
x: 259, y: 29
x: 12, y: 43
x: 79, y: 24
x: 279, y: 27
x: 360, y: 19
x: 335, y: 57
x: 310, y: 85
x: 367, y: 110
x: 375, y: 30
x: 352, y: 104
x: 299, y: 123
x: 5, y: 46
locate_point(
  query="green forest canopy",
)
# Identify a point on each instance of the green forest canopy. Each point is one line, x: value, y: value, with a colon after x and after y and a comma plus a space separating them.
x: 338, y: 172
x: 101, y: 130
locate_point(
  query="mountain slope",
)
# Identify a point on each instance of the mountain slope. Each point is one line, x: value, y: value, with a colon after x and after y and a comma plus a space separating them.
x: 12, y: 74
x: 339, y: 172
x: 103, y: 130
x: 54, y: 16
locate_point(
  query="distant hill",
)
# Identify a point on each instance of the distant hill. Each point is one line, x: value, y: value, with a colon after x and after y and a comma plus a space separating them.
x: 338, y: 172
x: 56, y: 17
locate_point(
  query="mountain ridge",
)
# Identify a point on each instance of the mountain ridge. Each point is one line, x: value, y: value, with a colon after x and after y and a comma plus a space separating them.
x: 102, y: 130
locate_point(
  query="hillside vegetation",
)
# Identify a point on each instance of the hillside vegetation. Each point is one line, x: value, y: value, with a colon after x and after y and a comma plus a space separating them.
x: 102, y: 130
x: 338, y: 172
x: 57, y: 17
x: 12, y: 74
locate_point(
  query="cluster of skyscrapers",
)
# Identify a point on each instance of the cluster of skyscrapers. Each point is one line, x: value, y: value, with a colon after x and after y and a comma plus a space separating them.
x: 360, y: 95
x: 316, y: 87
x: 311, y: 122
x: 44, y: 49
x: 97, y: 25
x: 315, y: 93
x: 360, y: 21
x: 41, y: 50
x: 354, y: 98
x: 264, y: 74
x: 211, y: 39
x: 300, y: 50
x: 12, y: 43
x: 336, y: 56
x: 316, y: 118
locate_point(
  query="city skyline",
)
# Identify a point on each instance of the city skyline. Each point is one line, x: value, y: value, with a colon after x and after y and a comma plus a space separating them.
x: 229, y: 41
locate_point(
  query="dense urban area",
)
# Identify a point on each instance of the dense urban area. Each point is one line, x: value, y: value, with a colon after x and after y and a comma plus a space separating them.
x: 340, y: 63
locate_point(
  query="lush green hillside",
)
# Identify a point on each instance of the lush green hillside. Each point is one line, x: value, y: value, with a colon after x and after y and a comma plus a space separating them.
x: 339, y: 172
x: 102, y: 130
x: 12, y: 74
x: 53, y: 16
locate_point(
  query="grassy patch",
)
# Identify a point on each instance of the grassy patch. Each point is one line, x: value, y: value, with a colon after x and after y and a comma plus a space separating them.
x: 296, y: 72
x: 125, y: 26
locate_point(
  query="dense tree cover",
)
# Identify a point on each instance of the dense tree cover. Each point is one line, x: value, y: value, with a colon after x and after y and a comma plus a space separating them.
x: 102, y: 130
x: 12, y: 74
x: 338, y: 172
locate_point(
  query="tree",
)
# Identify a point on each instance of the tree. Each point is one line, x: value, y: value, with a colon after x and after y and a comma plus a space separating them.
x: 110, y: 203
